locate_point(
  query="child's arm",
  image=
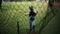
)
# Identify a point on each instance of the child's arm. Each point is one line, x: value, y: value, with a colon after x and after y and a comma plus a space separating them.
x: 26, y: 14
x: 36, y: 12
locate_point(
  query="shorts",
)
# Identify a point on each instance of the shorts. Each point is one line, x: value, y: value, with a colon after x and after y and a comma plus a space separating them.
x: 32, y: 22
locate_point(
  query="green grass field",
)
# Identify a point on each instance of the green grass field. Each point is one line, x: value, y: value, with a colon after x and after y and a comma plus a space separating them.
x: 13, y: 12
x: 53, y: 27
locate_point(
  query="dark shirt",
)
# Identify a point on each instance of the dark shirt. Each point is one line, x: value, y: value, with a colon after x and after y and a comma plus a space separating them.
x: 32, y: 15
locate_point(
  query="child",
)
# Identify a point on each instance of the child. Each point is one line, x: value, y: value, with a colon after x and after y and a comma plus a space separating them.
x: 31, y: 15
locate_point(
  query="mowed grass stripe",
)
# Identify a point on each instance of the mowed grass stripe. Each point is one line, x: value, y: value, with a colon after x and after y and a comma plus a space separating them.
x: 4, y: 24
x: 6, y: 21
x: 7, y: 17
x: 9, y: 23
x: 2, y: 19
x: 1, y: 16
x: 0, y: 13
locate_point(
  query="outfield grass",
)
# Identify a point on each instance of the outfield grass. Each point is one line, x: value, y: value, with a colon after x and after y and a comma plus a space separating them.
x: 12, y: 12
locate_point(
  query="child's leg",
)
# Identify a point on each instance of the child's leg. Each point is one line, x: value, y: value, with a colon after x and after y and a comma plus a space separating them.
x: 33, y: 24
x: 30, y: 24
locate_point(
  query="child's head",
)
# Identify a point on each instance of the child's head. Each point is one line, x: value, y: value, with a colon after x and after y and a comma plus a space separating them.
x: 31, y: 8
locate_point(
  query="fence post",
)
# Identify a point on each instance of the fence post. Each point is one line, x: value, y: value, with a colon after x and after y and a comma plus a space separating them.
x: 18, y: 27
x: 0, y: 3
